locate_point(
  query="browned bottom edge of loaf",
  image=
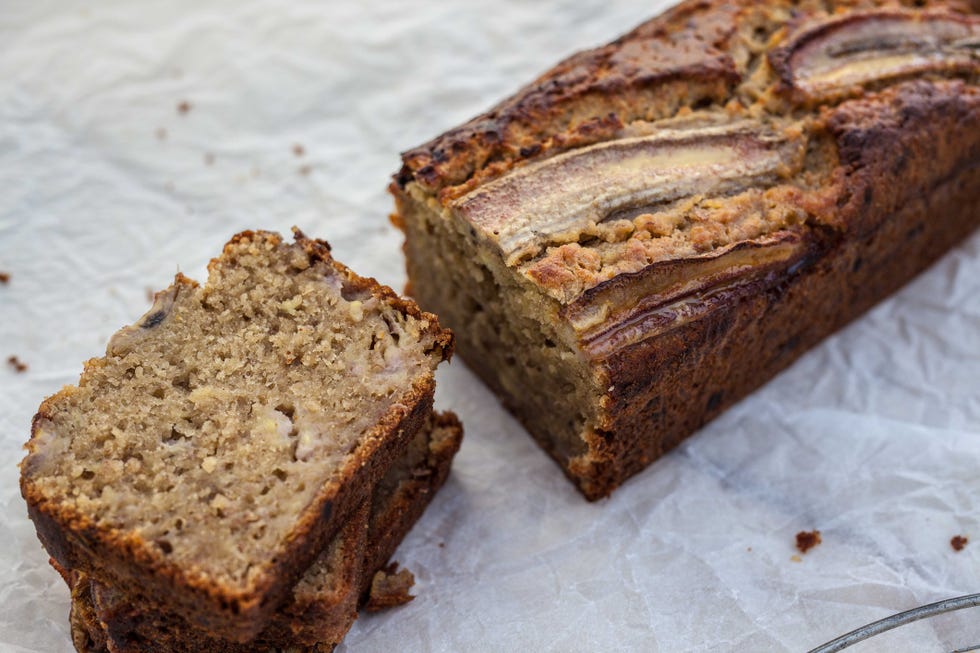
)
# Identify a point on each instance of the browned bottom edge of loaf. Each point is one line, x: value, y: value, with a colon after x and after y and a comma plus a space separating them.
x: 390, y: 525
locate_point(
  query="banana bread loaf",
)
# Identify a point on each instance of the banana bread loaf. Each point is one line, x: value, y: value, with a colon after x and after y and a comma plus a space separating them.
x: 206, y: 461
x: 654, y: 228
x: 323, y: 605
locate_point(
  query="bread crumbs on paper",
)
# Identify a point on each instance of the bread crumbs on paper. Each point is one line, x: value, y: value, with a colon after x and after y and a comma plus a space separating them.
x: 389, y: 588
x: 959, y: 542
x: 19, y: 366
x: 184, y: 107
x: 806, y: 540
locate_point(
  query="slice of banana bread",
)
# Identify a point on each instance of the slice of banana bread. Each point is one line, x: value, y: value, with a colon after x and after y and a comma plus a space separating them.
x: 324, y: 602
x: 208, y: 458
x: 654, y: 228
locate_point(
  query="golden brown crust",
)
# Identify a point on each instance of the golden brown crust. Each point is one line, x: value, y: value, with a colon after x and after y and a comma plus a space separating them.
x: 129, y: 563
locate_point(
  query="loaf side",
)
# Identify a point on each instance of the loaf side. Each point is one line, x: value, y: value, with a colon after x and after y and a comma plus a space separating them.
x: 618, y: 291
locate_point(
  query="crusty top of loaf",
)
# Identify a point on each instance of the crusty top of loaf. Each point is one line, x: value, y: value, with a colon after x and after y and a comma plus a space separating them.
x: 703, y: 150
x: 697, y: 54
x: 588, y: 97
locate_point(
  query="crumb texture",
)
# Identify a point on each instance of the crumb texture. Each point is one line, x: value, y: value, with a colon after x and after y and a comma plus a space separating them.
x: 210, y: 425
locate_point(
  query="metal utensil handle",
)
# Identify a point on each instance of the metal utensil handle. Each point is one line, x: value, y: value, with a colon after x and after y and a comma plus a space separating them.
x: 900, y: 619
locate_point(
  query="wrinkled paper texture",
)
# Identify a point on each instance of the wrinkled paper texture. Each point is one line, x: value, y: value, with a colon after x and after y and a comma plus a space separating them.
x: 295, y: 114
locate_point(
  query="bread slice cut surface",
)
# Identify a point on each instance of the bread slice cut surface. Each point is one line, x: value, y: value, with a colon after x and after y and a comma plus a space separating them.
x: 208, y: 457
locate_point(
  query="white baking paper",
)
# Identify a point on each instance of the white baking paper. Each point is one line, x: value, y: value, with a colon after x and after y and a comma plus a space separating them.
x: 295, y: 114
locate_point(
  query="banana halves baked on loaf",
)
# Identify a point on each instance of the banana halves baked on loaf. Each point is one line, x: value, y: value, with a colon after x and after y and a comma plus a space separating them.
x: 324, y: 603
x: 207, y: 460
x: 654, y: 228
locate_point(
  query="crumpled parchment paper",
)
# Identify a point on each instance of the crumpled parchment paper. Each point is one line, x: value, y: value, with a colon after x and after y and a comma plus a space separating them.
x: 135, y: 138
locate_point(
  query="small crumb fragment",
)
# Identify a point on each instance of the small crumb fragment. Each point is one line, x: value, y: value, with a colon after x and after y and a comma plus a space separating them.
x: 959, y: 542
x: 356, y: 309
x: 389, y: 588
x: 208, y: 159
x: 305, y: 170
x: 806, y: 540
x: 183, y: 107
x: 290, y: 306
x: 4, y: 278
x: 796, y: 558
x: 19, y: 366
x: 298, y: 149
x: 161, y: 134
x: 442, y: 545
